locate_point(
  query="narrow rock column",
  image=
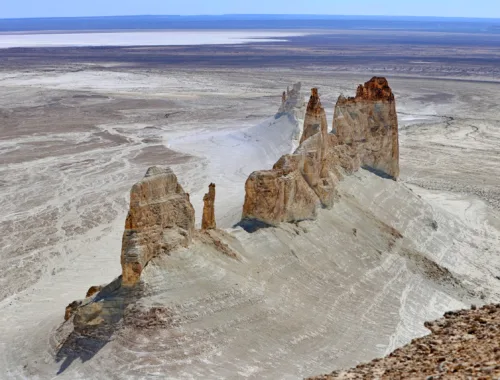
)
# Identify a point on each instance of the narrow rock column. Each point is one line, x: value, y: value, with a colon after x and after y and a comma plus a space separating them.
x: 208, y: 221
x: 315, y: 119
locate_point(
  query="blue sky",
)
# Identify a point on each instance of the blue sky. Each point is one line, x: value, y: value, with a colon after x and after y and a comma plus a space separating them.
x: 63, y: 8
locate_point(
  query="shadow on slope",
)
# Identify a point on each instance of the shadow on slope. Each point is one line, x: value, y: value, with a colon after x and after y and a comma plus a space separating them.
x: 95, y: 323
x: 252, y: 225
x: 379, y: 173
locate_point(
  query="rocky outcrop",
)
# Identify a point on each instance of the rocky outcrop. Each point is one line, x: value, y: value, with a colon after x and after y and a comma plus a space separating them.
x: 369, y: 123
x: 299, y: 183
x: 315, y: 119
x: 208, y: 220
x: 160, y: 219
x: 290, y: 99
x: 463, y: 345
x: 365, y: 133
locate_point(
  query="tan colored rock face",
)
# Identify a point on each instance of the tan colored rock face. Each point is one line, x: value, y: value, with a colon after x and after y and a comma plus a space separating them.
x: 315, y: 119
x: 369, y: 123
x: 299, y: 183
x: 208, y: 221
x: 366, y: 133
x: 160, y: 218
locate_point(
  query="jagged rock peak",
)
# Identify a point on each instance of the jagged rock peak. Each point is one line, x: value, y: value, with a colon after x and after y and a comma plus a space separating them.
x: 208, y: 220
x: 315, y: 119
x: 160, y: 218
x: 369, y: 123
x: 376, y: 88
x: 290, y: 99
x: 314, y: 104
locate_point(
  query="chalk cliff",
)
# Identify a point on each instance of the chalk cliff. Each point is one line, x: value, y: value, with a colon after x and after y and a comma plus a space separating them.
x: 369, y: 123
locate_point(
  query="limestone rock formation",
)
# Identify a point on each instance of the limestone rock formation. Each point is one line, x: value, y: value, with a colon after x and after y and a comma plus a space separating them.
x: 369, y: 123
x: 290, y: 99
x: 463, y: 345
x: 315, y: 119
x: 299, y: 183
x: 365, y: 134
x: 208, y: 221
x: 160, y: 218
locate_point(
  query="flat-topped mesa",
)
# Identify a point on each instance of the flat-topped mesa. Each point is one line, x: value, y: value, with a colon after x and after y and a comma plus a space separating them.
x: 208, y: 220
x: 369, y: 123
x: 160, y: 219
x: 290, y: 99
x: 315, y: 119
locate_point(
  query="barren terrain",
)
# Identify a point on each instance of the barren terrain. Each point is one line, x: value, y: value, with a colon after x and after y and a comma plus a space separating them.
x: 78, y: 128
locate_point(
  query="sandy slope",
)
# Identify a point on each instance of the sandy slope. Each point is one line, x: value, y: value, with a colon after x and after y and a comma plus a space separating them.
x: 230, y: 157
x: 357, y: 282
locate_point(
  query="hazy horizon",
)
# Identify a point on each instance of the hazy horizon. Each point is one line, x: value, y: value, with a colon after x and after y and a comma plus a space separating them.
x: 92, y: 8
x: 290, y: 16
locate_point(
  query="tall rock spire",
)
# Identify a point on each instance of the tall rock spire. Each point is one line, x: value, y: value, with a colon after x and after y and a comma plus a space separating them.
x: 315, y: 119
x: 208, y: 220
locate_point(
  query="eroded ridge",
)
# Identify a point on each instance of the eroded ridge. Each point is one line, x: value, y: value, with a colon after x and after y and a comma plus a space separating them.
x: 369, y: 123
x: 365, y: 133
x: 290, y: 99
x: 160, y: 219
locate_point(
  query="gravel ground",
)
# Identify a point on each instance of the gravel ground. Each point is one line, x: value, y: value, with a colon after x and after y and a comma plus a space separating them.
x: 463, y: 345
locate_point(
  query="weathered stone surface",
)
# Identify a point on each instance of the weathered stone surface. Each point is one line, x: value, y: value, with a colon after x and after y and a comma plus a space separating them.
x: 315, y: 119
x: 463, y: 345
x: 208, y: 220
x: 290, y: 99
x: 71, y: 309
x: 299, y: 183
x: 369, y: 123
x: 365, y: 133
x: 160, y: 219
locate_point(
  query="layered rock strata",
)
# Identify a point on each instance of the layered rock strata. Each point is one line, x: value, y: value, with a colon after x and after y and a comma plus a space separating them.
x: 463, y: 345
x: 315, y: 119
x: 365, y: 134
x: 208, y: 220
x: 299, y: 183
x: 160, y: 218
x: 369, y: 123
